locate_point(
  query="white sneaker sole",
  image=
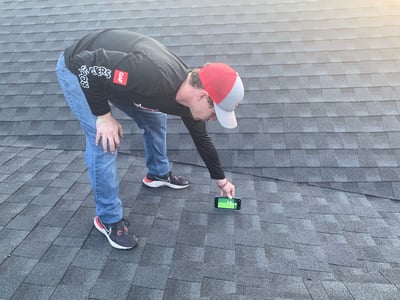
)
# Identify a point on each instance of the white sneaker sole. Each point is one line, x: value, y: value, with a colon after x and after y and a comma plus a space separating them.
x: 101, y: 229
x: 157, y: 184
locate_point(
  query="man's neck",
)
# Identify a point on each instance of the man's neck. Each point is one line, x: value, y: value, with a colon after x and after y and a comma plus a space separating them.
x: 182, y: 94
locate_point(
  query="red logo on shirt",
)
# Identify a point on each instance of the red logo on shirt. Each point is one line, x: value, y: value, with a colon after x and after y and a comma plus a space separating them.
x: 120, y: 77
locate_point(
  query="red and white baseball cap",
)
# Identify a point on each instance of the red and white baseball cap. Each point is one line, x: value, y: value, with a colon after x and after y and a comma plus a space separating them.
x: 225, y: 88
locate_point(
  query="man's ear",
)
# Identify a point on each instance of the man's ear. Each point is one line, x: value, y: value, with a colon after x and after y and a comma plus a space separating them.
x: 203, y: 94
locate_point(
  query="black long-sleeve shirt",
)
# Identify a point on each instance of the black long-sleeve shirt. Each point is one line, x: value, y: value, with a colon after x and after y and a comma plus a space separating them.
x: 132, y: 67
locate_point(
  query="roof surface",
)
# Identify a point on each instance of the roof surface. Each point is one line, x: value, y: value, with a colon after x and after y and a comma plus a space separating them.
x: 315, y: 157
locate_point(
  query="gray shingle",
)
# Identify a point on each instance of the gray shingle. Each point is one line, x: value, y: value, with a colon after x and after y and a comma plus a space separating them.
x: 164, y: 233
x: 138, y: 293
x: 106, y: 289
x: 91, y: 259
x: 26, y: 291
x: 211, y: 286
x: 336, y: 289
x: 178, y: 289
x: 372, y: 291
x: 37, y: 242
x: 156, y: 255
x: 70, y: 291
x: 13, y: 272
x: 52, y: 266
x: 151, y: 276
x: 29, y: 217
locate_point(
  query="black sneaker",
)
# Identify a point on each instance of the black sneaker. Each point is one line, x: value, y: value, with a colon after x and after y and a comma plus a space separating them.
x: 116, y: 234
x: 172, y: 181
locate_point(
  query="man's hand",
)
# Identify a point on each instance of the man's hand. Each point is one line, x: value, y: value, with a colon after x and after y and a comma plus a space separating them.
x: 226, y: 187
x: 109, y: 131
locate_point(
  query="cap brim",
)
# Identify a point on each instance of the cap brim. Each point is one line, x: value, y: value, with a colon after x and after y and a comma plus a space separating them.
x: 226, y: 118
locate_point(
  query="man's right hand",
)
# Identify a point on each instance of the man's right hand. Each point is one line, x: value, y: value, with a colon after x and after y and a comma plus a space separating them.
x: 226, y: 187
x: 109, y: 131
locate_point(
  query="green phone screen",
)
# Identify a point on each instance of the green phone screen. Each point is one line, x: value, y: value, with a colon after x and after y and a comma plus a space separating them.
x: 227, y: 203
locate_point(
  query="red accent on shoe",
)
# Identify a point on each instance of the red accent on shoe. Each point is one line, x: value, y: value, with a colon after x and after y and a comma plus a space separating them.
x: 99, y: 222
x: 147, y: 179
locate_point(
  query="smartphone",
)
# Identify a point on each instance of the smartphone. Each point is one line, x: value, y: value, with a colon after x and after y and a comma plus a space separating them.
x: 227, y: 203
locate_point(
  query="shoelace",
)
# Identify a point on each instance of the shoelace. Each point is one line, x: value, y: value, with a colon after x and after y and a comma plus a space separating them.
x: 122, y: 227
x: 175, y: 176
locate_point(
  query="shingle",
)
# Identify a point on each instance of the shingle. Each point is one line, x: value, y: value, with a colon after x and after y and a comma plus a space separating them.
x: 171, y: 210
x: 368, y: 290
x: 164, y: 233
x: 8, y: 211
x: 68, y: 241
x: 90, y: 259
x: 80, y: 224
x: 19, y: 176
x: 106, y: 289
x: 13, y: 164
x: 116, y: 270
x: 52, y: 266
x: 65, y: 179
x: 13, y: 272
x: 29, y: 217
x: 60, y: 215
x: 217, y: 287
x: 186, y: 271
x: 141, y: 224
x: 342, y: 255
x: 151, y: 276
x: 316, y: 289
x: 193, y: 235
x: 49, y: 196
x: 25, y: 194
x: 396, y: 190
x: 335, y: 289
x: 70, y: 291
x: 37, y: 242
x: 147, y: 206
x: 34, y: 291
x: 139, y: 293
x: 293, y: 289
x: 10, y: 240
x: 178, y: 289
x: 247, y: 256
x: 76, y: 276
x: 156, y: 255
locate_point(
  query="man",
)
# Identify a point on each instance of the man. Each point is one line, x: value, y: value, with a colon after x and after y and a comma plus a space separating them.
x: 141, y: 77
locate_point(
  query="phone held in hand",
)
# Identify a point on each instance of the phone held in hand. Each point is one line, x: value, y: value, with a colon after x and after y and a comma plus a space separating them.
x: 227, y: 203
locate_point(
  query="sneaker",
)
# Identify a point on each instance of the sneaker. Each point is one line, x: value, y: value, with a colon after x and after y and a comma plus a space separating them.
x: 116, y: 234
x: 172, y: 181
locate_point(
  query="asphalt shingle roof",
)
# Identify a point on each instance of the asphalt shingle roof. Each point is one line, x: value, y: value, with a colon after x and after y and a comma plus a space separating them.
x: 315, y: 157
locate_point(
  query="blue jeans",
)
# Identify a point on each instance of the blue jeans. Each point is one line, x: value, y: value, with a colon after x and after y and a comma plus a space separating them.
x: 102, y: 166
